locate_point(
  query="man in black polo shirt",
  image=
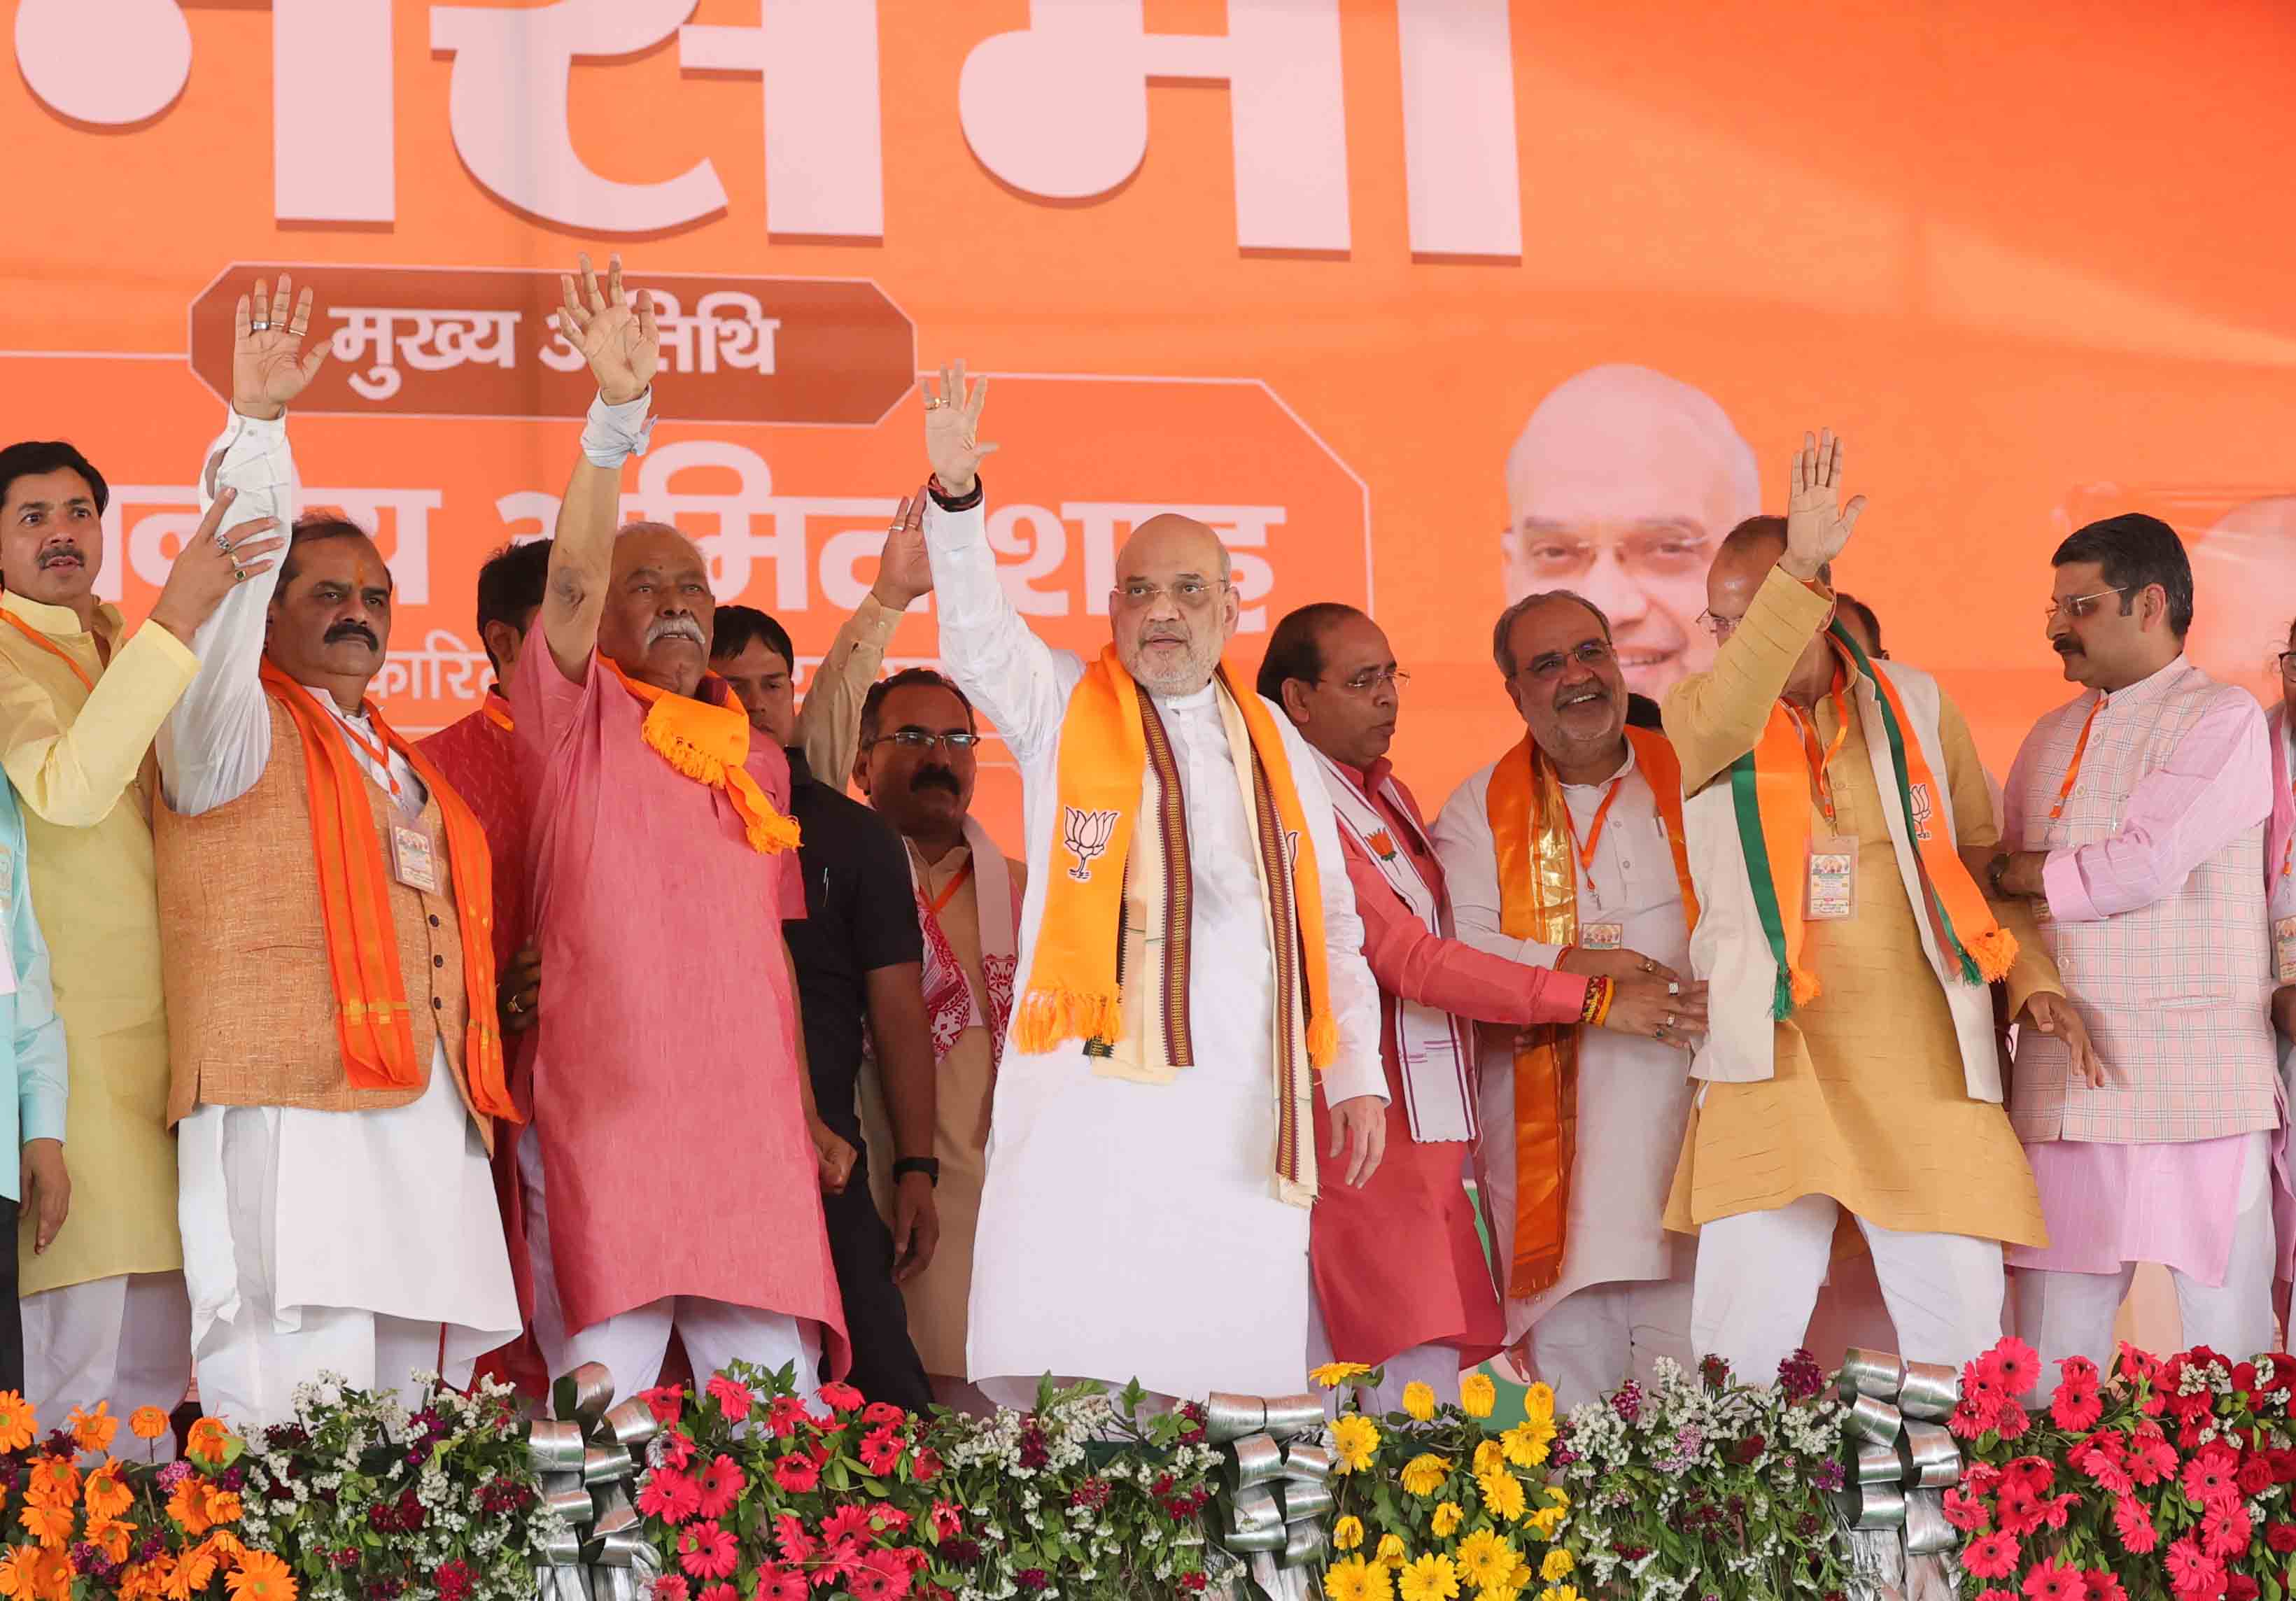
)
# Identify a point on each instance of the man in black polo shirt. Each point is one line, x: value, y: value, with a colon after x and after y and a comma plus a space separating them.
x: 859, y: 956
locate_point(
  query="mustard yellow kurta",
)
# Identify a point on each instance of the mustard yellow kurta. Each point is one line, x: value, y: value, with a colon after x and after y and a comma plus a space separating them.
x: 1869, y: 1103
x: 82, y: 763
x: 963, y: 1089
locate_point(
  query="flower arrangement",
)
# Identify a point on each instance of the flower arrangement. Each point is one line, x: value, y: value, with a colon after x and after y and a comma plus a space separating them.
x: 138, y: 1530
x: 1704, y: 1487
x: 750, y: 1494
x: 1432, y: 1506
x: 363, y: 1499
x: 2168, y: 1478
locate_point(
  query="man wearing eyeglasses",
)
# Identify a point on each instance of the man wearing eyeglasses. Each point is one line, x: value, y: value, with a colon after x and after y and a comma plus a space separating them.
x: 1565, y: 859
x: 1190, y: 974
x: 2137, y: 812
x: 1850, y: 1065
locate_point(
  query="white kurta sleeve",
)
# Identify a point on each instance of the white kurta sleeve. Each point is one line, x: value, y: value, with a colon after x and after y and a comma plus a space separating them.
x: 1021, y: 683
x: 1462, y: 838
x: 1357, y: 1068
x: 214, y: 743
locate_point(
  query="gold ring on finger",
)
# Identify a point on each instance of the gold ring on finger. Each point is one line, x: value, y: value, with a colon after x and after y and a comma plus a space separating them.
x: 238, y: 573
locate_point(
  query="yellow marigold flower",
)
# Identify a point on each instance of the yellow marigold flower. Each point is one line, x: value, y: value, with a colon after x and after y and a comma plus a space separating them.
x: 1356, y: 1579
x: 1448, y: 1519
x: 1424, y: 1473
x: 1391, y: 1550
x: 93, y: 1431
x: 1419, y: 1401
x: 1502, y: 1494
x: 1556, y: 1564
x: 1561, y: 1592
x: 261, y: 1577
x: 1490, y: 1458
x: 1539, y: 1403
x: 1354, y: 1438
x: 1348, y: 1533
x: 1485, y: 1559
x: 1431, y: 1578
x: 147, y: 1423
x: 1331, y: 1375
x: 1478, y: 1395
x: 17, y: 1421
x: 104, y: 1495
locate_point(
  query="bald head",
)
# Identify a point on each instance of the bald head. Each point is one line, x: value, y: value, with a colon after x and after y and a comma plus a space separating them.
x: 1618, y: 488
x: 2244, y: 590
x: 1173, y: 609
x: 655, y: 625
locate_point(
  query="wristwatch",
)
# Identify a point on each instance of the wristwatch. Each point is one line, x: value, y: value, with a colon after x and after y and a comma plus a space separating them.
x: 1993, y: 870
x: 930, y: 1166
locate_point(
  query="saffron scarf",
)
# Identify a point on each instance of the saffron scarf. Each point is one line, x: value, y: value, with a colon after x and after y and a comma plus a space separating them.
x: 1770, y: 788
x: 710, y: 744
x: 371, y: 1019
x: 1537, y: 863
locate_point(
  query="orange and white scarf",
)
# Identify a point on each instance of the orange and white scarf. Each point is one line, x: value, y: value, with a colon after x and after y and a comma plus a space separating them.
x: 1121, y: 843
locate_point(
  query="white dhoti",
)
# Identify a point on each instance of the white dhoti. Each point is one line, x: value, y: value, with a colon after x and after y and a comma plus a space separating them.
x: 632, y: 1345
x: 363, y: 1243
x: 126, y: 1341
x: 1596, y: 1338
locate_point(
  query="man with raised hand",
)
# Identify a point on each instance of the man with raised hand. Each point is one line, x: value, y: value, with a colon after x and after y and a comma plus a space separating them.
x: 672, y: 1178
x: 1191, y: 975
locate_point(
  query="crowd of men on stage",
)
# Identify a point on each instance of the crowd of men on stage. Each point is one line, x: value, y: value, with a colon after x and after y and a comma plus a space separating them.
x: 605, y: 1024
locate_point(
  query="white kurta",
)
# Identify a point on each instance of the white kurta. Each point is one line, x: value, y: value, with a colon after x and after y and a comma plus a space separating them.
x: 1132, y: 1230
x: 390, y: 1213
x: 1633, y: 1095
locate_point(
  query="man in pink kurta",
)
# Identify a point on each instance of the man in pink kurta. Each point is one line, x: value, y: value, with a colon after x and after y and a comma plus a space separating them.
x: 2135, y: 818
x: 1399, y: 1275
x: 672, y: 1181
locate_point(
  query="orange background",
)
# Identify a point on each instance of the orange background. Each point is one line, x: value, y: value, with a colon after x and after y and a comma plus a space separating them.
x: 2013, y: 253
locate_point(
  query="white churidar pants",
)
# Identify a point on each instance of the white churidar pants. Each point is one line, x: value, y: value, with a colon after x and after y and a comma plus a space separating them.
x: 633, y: 1344
x: 1758, y: 1274
x: 1596, y: 1338
x: 126, y: 1340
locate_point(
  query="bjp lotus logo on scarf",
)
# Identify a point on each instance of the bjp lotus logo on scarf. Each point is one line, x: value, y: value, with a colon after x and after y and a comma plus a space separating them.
x: 1084, y: 834
x: 1383, y: 843
x: 1919, y: 795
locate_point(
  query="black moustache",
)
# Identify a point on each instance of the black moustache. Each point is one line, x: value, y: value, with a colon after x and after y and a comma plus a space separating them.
x: 1600, y: 694
x: 2063, y: 647
x: 352, y: 630
x: 935, y: 778
x: 61, y: 552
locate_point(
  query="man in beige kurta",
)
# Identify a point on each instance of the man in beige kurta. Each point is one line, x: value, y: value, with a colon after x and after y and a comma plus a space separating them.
x: 81, y: 698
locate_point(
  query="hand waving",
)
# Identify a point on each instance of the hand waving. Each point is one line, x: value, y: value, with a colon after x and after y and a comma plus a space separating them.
x: 1818, y: 526
x: 268, y: 366
x: 213, y: 563
x: 952, y: 423
x: 622, y: 343
x: 904, y: 570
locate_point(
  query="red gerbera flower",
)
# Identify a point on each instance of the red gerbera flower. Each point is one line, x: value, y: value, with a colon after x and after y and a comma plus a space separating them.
x: 884, y: 1576
x: 886, y: 1519
x: 708, y: 1551
x: 667, y: 1402
x: 779, y: 1584
x: 949, y: 1522
x: 850, y: 1522
x: 2010, y: 1422
x: 668, y: 1587
x: 1966, y: 1512
x: 2020, y: 1367
x: 677, y: 1448
x: 924, y: 1467
x: 2031, y: 1474
x: 2054, y: 1580
x: 670, y: 1496
x: 733, y: 1399
x: 796, y: 1473
x: 840, y: 1397
x: 796, y: 1546
x: 881, y: 1449
x: 880, y: 1412
x: 720, y: 1591
x: 2103, y: 1586
x: 2224, y: 1531
x: 1991, y: 1556
x: 2191, y: 1570
x: 2075, y: 1407
x: 2134, y: 1525
x: 2208, y: 1477
x: 2017, y: 1510
x: 2151, y: 1458
x: 784, y: 1416
x: 720, y: 1485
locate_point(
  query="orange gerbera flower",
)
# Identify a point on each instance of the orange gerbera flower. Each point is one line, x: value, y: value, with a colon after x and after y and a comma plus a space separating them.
x: 54, y: 1482
x: 222, y: 1544
x: 208, y: 1442
x: 262, y: 1577
x: 188, y: 1506
x: 193, y: 1573
x: 147, y: 1423
x: 52, y: 1576
x: 223, y: 1506
x: 109, y: 1536
x: 145, y: 1580
x: 94, y: 1431
x: 16, y: 1577
x: 103, y: 1495
x: 18, y: 1422
x: 50, y: 1524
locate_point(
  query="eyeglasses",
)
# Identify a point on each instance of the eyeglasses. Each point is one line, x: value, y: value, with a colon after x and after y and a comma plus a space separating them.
x: 2079, y: 605
x: 1548, y: 664
x: 2284, y: 658
x: 924, y: 739
x: 1371, y: 679
x: 1190, y: 592
x: 1720, y: 627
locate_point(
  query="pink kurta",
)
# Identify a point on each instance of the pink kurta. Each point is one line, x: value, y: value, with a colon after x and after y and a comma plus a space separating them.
x: 1397, y: 1264
x: 666, y: 1095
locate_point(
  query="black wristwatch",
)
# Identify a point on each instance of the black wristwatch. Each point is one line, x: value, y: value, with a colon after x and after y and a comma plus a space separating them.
x: 930, y: 1166
x: 1993, y: 871
x: 956, y: 503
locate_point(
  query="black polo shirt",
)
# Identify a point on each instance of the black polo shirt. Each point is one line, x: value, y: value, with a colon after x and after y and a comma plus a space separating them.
x: 860, y: 914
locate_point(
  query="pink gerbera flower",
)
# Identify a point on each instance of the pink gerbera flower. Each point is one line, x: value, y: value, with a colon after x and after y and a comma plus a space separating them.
x: 720, y: 1485
x: 2150, y: 1458
x: 2208, y: 1477
x: 2103, y: 1586
x: 2191, y: 1570
x: 2020, y: 1367
x: 720, y: 1591
x: 2224, y: 1531
x: 2134, y: 1525
x: 2054, y: 1580
x: 668, y: 1587
x: 2017, y: 1510
x: 708, y: 1551
x: 2010, y: 1422
x: 796, y: 1473
x: 677, y: 1448
x: 1991, y: 1556
x: 2075, y: 1407
x: 732, y: 1398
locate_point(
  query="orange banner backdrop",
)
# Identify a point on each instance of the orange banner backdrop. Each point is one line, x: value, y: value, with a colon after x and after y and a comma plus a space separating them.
x: 1422, y: 303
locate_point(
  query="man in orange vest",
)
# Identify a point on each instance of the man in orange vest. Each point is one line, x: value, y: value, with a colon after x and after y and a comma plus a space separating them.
x: 325, y: 916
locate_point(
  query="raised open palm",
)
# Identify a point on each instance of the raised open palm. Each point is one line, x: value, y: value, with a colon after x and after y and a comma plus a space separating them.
x: 953, y: 428
x: 1817, y: 525
x: 268, y: 365
x: 622, y: 343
